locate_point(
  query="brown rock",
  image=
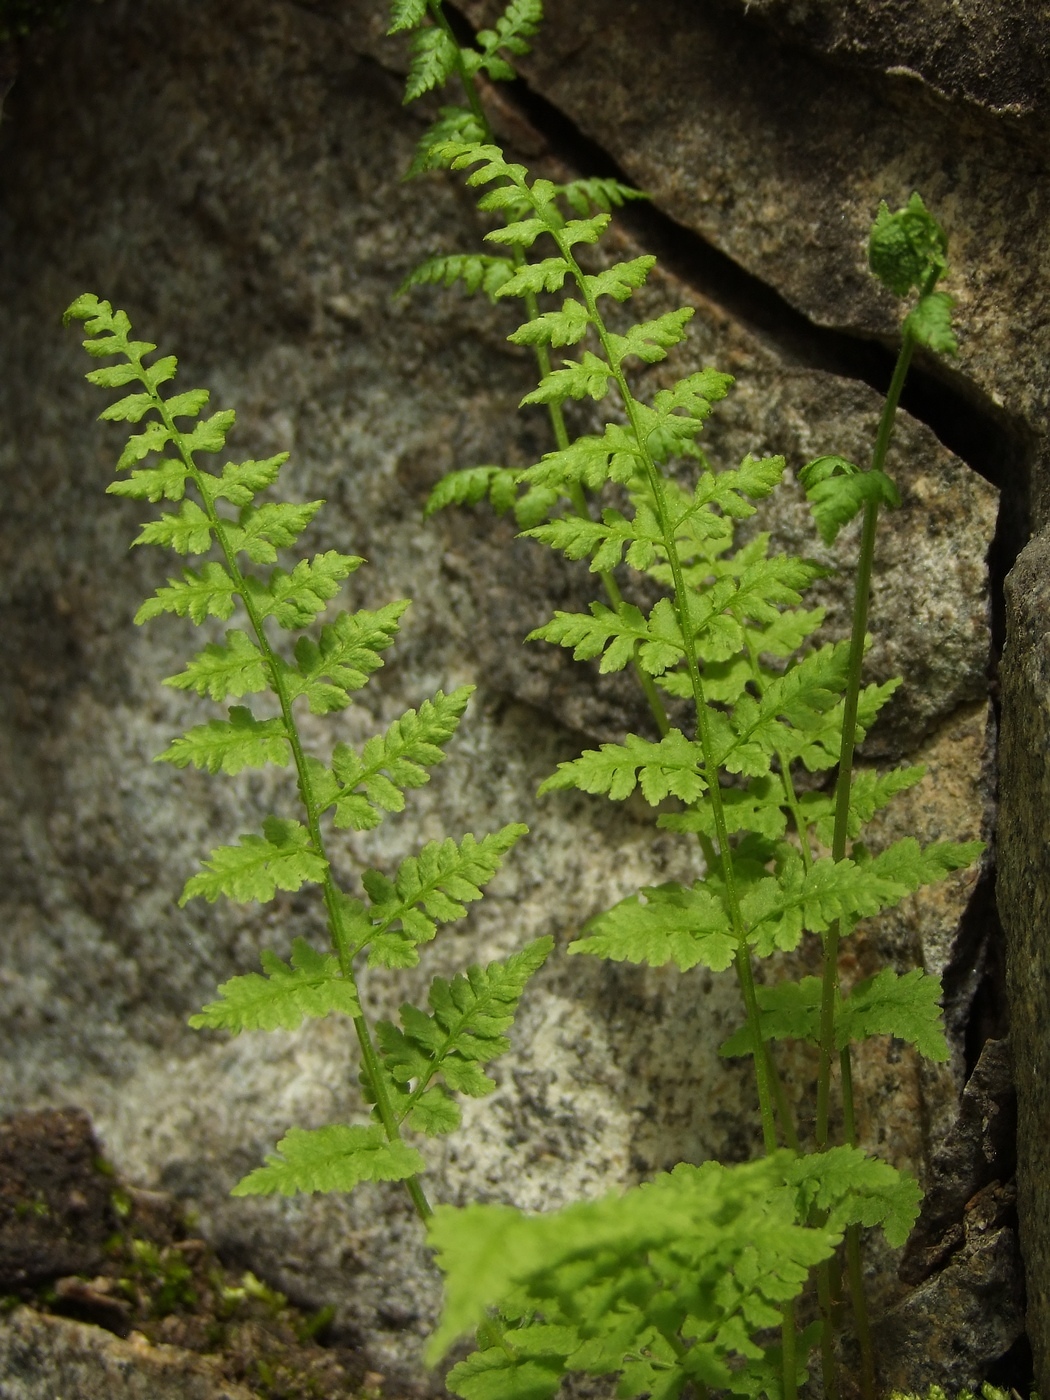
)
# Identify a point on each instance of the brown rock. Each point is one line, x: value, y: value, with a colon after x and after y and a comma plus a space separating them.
x: 1024, y: 904
x: 55, y: 1211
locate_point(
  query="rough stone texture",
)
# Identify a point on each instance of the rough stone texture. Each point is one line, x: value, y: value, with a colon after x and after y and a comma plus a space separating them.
x: 778, y: 155
x: 1024, y: 901
x: 258, y: 225
x: 979, y: 1149
x: 55, y: 1213
x: 49, y: 1358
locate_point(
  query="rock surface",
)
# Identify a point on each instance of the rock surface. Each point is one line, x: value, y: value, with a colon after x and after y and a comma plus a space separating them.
x: 45, y: 1358
x: 1024, y: 900
x: 258, y: 226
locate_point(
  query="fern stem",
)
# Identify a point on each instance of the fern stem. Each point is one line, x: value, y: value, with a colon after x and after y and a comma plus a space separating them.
x: 306, y: 792
x: 745, y: 975
x: 789, y: 1352
x: 843, y: 788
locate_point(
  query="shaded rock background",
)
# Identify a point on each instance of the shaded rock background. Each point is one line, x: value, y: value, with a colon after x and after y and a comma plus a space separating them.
x: 231, y: 175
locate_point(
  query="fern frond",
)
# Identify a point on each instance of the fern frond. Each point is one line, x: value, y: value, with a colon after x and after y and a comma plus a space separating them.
x: 854, y: 1188
x: 164, y: 482
x: 240, y: 482
x: 282, y: 996
x: 838, y: 491
x: 530, y: 279
x: 373, y: 782
x: 907, y: 1007
x: 466, y: 1030
x: 283, y: 858
x: 564, y: 327
x: 230, y: 745
x: 612, y: 634
x: 469, y: 487
x: 236, y: 668
x: 434, y: 58
x: 476, y: 271
x: 207, y: 592
x: 688, y: 927
x: 334, y: 1158
x: 406, y: 14
x: 188, y: 532
x: 263, y: 530
x: 431, y: 888
x: 325, y: 672
x: 294, y: 599
x: 671, y: 766
x: 869, y: 793
x: 722, y: 1242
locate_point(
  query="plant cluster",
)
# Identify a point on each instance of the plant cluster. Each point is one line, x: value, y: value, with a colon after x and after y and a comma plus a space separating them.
x: 691, y: 1279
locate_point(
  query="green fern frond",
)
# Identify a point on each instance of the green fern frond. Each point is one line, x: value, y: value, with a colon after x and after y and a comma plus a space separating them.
x: 465, y: 1031
x: 431, y: 888
x: 374, y: 781
x: 283, y: 858
x: 230, y: 745
x: 671, y: 766
x: 333, y: 1158
x: 476, y: 271
x: 282, y: 996
x: 689, y: 927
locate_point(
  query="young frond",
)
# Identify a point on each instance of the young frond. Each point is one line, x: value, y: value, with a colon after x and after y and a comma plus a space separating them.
x: 838, y: 491
x: 325, y: 672
x: 283, y: 858
x: 230, y: 745
x: 219, y: 671
x: 930, y: 322
x: 431, y: 888
x: 406, y: 14
x: 333, y: 1158
x: 282, y: 996
x: 372, y: 782
x: 663, y: 924
x: 466, y: 1030
x: 476, y: 271
x: 908, y: 248
x: 671, y: 766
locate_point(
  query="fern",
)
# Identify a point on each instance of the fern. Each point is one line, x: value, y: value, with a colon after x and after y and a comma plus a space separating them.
x: 322, y: 672
x: 732, y: 636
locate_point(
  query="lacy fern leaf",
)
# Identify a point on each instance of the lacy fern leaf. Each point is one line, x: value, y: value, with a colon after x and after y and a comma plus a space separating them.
x: 334, y: 1158
x: 282, y: 996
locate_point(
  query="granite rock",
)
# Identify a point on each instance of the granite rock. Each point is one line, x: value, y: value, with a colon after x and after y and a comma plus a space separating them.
x: 43, y: 1358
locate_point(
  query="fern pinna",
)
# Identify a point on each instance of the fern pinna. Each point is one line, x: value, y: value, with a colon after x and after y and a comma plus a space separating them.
x: 730, y: 636
x: 409, y: 1074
